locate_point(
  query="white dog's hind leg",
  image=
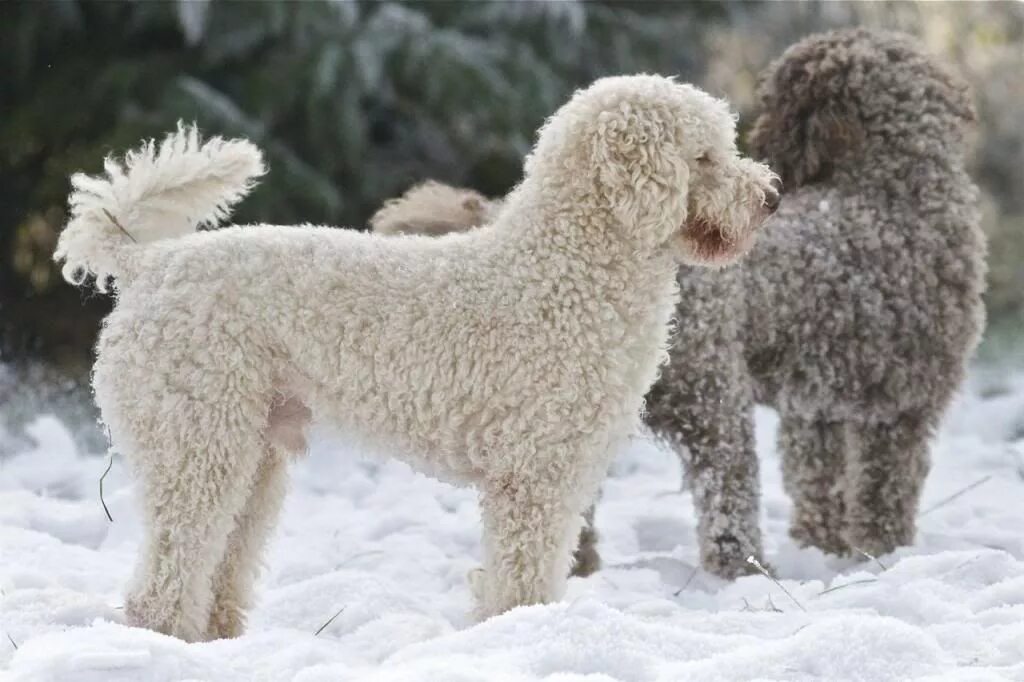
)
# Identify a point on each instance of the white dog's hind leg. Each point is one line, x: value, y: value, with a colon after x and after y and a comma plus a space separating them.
x: 238, y: 570
x: 530, y: 531
x: 192, y: 496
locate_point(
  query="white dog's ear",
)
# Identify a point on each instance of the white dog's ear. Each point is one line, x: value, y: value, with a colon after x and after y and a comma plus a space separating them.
x: 642, y: 175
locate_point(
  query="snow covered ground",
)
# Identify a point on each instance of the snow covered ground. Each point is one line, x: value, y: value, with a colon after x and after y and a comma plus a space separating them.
x: 390, y: 549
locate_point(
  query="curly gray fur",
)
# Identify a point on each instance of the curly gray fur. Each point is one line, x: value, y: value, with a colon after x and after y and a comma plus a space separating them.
x: 854, y: 315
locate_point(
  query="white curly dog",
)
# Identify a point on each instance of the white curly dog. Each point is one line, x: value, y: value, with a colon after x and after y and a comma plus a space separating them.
x: 512, y: 358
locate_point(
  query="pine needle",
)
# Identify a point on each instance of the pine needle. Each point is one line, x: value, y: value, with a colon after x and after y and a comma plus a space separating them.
x: 110, y: 463
x: 757, y: 564
x: 871, y: 556
x: 944, y: 502
x: 865, y: 581
x: 11, y: 640
x: 329, y: 621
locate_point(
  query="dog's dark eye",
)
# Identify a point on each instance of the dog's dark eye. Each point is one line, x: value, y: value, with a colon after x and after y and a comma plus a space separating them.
x: 704, y: 158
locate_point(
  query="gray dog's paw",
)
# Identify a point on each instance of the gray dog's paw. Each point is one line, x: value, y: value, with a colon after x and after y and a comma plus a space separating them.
x: 726, y: 557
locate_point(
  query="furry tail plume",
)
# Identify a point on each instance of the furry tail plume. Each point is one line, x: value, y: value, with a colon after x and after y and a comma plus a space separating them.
x: 158, y: 191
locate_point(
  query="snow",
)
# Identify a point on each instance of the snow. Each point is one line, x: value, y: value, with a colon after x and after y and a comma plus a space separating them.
x: 390, y: 550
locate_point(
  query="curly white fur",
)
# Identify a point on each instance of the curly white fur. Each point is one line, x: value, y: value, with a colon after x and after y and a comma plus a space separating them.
x: 512, y: 358
x: 161, y: 191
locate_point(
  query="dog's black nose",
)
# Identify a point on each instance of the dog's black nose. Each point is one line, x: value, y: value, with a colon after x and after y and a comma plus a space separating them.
x: 773, y: 196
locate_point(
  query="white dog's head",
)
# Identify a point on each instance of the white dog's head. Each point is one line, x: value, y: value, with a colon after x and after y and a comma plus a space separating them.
x: 660, y: 156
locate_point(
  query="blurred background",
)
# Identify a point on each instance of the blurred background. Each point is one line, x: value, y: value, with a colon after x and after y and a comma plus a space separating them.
x: 354, y: 101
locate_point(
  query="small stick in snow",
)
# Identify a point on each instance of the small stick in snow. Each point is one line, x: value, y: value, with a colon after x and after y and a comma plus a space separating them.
x: 757, y: 564
x: 329, y: 621
x: 11, y: 640
x: 110, y: 463
x: 689, y: 580
x: 769, y: 606
x: 944, y: 502
x: 872, y: 557
x: 865, y: 581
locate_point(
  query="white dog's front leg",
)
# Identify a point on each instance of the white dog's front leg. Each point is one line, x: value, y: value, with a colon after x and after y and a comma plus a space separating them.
x: 530, y: 531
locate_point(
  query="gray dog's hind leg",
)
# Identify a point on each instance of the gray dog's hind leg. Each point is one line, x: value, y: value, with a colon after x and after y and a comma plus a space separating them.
x: 814, y: 452
x: 586, y: 559
x: 884, y: 481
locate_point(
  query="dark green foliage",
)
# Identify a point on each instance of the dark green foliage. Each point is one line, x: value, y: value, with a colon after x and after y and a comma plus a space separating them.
x: 352, y: 101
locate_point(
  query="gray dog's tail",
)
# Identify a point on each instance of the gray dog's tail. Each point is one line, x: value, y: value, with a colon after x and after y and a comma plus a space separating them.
x: 159, y: 191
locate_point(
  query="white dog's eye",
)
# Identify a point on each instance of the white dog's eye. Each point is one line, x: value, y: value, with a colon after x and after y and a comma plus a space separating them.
x: 704, y: 158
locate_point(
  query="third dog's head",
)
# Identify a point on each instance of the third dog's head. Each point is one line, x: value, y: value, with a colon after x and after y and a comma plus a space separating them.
x: 852, y: 98
x: 660, y: 157
x: 432, y: 208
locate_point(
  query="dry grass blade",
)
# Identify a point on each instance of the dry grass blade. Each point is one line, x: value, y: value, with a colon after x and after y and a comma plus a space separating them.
x: 947, y: 500
x: 329, y: 621
x: 769, y: 606
x: 119, y: 226
x: 865, y: 581
x: 110, y: 463
x: 757, y: 564
x: 360, y: 555
x: 872, y: 557
x: 689, y: 580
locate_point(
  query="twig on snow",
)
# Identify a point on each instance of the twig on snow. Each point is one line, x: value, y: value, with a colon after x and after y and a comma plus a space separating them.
x: 329, y: 621
x: 11, y: 640
x: 358, y: 555
x: 769, y: 606
x: 757, y: 564
x: 689, y: 580
x: 110, y: 463
x: 945, y: 501
x: 865, y: 581
x: 872, y: 557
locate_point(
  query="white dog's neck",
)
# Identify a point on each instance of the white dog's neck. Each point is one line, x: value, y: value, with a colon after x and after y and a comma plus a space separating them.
x: 570, y: 227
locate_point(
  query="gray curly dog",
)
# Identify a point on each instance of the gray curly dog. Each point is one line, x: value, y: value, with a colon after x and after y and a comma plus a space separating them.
x: 854, y: 315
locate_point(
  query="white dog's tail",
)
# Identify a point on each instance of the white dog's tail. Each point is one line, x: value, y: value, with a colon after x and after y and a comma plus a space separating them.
x: 158, y: 191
